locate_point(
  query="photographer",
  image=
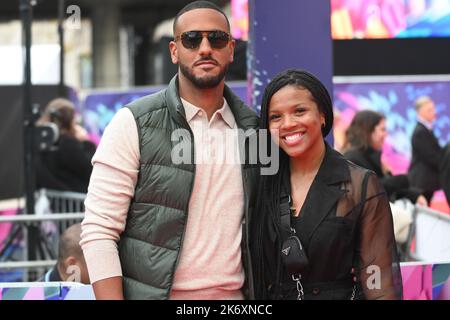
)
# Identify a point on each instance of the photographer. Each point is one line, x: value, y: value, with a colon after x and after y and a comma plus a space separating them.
x: 67, y: 165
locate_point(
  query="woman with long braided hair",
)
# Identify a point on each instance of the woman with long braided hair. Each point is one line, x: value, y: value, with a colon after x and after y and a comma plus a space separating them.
x: 323, y: 226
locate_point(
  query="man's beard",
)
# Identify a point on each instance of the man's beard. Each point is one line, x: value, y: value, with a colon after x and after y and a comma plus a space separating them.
x: 205, y: 82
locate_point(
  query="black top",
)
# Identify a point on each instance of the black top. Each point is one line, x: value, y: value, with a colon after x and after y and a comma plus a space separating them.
x: 337, y: 237
x: 67, y: 167
x: 397, y: 187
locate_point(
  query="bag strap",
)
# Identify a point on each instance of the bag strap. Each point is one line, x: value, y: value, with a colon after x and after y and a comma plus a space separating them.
x: 286, y: 232
x: 285, y: 215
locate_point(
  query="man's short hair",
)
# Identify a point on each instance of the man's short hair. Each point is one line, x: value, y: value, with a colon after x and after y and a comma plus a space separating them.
x: 199, y: 5
x: 69, y: 243
x: 421, y: 101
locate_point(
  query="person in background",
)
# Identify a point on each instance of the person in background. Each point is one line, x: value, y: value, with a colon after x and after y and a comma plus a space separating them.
x: 426, y: 151
x: 70, y: 265
x: 67, y: 165
x: 445, y: 172
x: 363, y: 145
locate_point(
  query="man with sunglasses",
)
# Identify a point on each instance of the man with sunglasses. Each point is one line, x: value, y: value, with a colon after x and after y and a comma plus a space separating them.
x: 156, y: 229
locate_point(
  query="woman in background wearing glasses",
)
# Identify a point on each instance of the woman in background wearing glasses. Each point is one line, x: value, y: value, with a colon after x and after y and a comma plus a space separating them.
x: 339, y: 211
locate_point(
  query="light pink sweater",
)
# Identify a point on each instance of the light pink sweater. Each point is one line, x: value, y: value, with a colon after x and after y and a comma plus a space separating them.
x: 210, y: 265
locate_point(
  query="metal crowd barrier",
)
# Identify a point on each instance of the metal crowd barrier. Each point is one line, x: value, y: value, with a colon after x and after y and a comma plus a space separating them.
x: 55, y: 212
x: 429, y: 236
x: 62, y: 202
x: 65, y: 201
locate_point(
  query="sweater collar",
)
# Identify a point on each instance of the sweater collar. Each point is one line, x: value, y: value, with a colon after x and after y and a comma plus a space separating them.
x: 245, y: 117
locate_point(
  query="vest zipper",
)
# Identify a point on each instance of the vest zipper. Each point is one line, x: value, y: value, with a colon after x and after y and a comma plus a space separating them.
x: 246, y: 255
x: 186, y: 126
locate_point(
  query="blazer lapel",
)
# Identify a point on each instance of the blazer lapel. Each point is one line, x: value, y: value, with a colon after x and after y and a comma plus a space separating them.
x: 325, y: 191
x: 322, y: 199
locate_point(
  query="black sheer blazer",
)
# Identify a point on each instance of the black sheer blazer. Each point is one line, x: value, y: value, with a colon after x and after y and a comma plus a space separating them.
x: 339, y: 232
x: 397, y: 186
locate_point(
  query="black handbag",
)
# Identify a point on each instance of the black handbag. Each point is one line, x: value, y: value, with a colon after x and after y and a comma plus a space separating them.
x: 293, y: 253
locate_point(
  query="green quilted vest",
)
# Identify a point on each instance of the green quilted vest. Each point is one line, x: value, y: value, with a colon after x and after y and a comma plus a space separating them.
x: 149, y: 247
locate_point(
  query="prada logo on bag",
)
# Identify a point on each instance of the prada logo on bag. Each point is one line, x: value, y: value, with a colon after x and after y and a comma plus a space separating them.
x: 286, y: 251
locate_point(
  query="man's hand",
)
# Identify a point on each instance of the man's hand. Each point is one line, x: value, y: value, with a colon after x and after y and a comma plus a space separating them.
x: 108, y: 289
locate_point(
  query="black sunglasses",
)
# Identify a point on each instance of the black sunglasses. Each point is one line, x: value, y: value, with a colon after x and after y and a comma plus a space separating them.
x: 192, y: 39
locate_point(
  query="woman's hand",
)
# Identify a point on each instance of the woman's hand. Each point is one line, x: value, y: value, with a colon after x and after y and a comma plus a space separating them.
x: 80, y: 133
x: 422, y: 201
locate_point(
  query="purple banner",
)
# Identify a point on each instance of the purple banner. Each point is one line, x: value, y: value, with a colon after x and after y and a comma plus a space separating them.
x: 285, y: 35
x: 396, y: 102
x: 100, y: 107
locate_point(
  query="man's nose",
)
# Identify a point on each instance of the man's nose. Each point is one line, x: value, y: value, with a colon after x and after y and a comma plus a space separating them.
x: 205, y: 47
